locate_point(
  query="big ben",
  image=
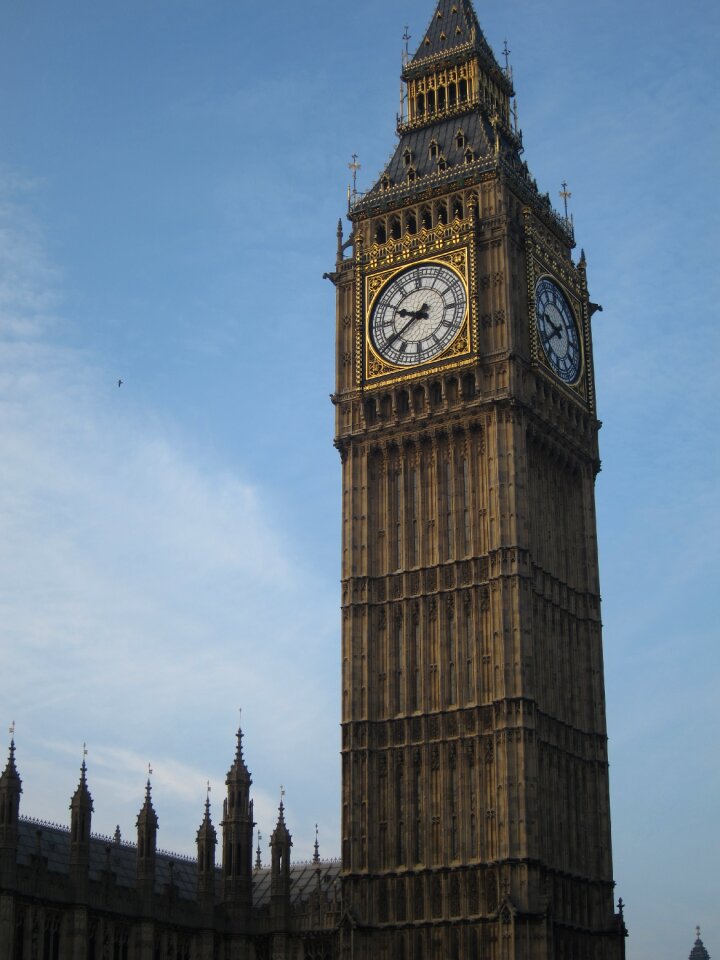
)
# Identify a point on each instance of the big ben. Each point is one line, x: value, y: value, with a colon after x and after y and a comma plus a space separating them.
x: 475, y: 801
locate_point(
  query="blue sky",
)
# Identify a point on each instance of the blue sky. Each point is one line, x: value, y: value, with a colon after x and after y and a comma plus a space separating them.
x: 171, y: 174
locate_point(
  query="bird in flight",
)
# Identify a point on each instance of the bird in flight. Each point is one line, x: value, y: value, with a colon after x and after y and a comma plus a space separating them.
x: 120, y: 383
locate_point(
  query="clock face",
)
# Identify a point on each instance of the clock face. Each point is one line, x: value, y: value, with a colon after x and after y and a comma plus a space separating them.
x: 557, y: 330
x: 418, y: 314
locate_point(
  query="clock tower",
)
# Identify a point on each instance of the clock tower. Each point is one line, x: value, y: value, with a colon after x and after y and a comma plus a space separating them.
x: 475, y: 807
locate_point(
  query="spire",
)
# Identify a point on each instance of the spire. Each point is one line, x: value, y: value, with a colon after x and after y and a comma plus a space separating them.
x: 237, y: 829
x: 258, y: 854
x: 698, y: 951
x: 147, y: 825
x: 81, y: 809
x: 454, y: 26
x: 316, y: 854
x: 147, y: 815
x: 10, y: 774
x: 10, y: 790
x: 206, y: 843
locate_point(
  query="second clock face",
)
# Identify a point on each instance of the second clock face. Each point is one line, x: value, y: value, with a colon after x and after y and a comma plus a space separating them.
x: 418, y: 314
x: 557, y: 330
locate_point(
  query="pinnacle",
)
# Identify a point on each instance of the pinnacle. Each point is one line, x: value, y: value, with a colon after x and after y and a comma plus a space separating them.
x: 10, y: 772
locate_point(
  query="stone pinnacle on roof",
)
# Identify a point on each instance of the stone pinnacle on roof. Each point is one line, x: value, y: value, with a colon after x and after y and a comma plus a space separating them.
x: 316, y: 854
x: 206, y: 829
x: 698, y: 951
x: 10, y: 773
x: 147, y: 813
x: 239, y: 770
x: 82, y: 793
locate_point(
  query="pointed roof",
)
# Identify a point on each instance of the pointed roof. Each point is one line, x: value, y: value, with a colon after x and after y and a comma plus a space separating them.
x: 280, y: 834
x: 206, y: 830
x: 239, y: 772
x: 147, y: 815
x: 10, y: 774
x: 698, y: 951
x: 454, y: 26
x: 82, y: 796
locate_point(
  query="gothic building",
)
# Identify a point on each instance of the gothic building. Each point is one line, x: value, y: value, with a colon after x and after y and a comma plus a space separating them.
x: 475, y: 801
x: 71, y: 895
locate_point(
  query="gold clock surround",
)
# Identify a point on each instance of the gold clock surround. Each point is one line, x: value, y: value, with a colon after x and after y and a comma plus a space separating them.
x: 448, y: 245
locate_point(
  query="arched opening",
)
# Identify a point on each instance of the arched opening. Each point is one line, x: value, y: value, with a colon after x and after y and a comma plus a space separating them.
x: 380, y: 233
x: 452, y: 94
x: 370, y: 412
x: 386, y: 407
x: 425, y: 218
x: 442, y: 98
x: 418, y: 399
x: 460, y: 139
x: 468, y: 386
x: 411, y: 223
x: 441, y: 213
x: 395, y: 229
x: 457, y: 209
x: 451, y: 390
x: 403, y: 403
x: 420, y: 104
x: 435, y: 394
x: 431, y: 102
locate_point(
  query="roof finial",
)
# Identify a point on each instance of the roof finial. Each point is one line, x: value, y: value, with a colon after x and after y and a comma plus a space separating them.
x: 282, y: 805
x: 316, y: 855
x: 697, y: 931
x: 565, y: 196
x: 258, y: 855
x: 407, y: 37
x: 354, y: 167
x: 506, y: 54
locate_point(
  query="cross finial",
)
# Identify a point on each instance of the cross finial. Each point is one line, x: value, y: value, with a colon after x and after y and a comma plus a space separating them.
x: 565, y: 196
x: 697, y: 931
x: 150, y: 770
x: 354, y: 167
x: 506, y: 54
x: 11, y: 729
x: 407, y: 37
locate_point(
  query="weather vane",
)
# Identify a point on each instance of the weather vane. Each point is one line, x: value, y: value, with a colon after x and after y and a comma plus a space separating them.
x: 12, y: 729
x: 150, y: 770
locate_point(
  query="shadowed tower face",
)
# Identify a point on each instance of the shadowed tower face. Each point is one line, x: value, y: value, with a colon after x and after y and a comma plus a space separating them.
x: 475, y: 815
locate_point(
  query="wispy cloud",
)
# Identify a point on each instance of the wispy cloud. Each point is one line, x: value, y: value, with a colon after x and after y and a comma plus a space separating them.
x: 145, y: 593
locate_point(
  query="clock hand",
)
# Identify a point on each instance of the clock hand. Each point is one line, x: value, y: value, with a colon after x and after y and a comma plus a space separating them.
x: 414, y: 315
x: 557, y: 330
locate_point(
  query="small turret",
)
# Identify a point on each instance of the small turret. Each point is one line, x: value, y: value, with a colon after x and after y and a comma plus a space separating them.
x: 81, y: 808
x: 10, y: 790
x: 147, y: 826
x: 206, y: 843
x: 280, y: 844
x: 237, y: 828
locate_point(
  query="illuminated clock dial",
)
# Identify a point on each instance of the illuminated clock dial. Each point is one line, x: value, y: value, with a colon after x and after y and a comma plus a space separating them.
x: 418, y: 314
x: 557, y: 330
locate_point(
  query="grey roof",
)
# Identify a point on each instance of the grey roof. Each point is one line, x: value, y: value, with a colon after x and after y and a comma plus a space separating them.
x: 52, y: 843
x: 454, y: 25
x: 478, y: 136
